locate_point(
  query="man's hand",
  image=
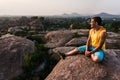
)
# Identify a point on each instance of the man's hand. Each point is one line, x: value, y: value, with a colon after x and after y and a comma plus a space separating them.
x: 88, y: 53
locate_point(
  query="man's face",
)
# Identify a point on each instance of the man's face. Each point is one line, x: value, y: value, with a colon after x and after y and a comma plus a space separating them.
x: 93, y: 23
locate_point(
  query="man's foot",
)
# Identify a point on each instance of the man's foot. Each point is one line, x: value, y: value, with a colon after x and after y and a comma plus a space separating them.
x: 62, y: 55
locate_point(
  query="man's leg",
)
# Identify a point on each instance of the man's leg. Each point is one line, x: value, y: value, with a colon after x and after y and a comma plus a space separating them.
x: 76, y: 50
x: 98, y: 56
x: 72, y: 52
x: 63, y: 55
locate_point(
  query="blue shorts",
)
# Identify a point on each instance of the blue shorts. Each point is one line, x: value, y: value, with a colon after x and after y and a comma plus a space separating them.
x: 99, y: 53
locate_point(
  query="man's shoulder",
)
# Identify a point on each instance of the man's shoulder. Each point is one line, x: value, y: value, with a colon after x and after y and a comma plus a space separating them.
x: 103, y: 28
x: 91, y: 29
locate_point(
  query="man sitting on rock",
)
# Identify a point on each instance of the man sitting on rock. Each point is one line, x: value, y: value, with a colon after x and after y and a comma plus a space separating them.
x: 95, y: 43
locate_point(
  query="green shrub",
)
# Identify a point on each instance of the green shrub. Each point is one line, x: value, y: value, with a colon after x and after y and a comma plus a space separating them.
x: 75, y: 34
x: 33, y: 60
x: 35, y: 38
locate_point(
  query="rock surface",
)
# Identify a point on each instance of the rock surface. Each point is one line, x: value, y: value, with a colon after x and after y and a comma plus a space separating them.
x: 77, y: 41
x: 58, y: 38
x: 12, y: 52
x: 80, y: 67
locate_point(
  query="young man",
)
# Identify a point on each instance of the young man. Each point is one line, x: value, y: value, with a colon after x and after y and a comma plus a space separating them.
x: 95, y: 43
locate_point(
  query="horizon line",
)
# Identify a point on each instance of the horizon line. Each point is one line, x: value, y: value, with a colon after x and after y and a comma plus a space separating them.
x: 57, y: 14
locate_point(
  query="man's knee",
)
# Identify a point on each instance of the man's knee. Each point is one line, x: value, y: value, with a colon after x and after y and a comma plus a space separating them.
x: 76, y: 49
x: 95, y: 58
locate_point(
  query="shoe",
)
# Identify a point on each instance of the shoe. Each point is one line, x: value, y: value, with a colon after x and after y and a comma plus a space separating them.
x: 62, y: 55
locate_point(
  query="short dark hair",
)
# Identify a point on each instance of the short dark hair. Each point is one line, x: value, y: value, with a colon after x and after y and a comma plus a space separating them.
x: 97, y: 19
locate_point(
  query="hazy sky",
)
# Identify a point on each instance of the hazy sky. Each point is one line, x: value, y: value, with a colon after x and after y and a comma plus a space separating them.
x: 57, y: 7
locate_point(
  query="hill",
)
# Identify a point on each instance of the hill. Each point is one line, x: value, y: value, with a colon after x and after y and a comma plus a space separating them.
x: 103, y: 15
x: 107, y: 15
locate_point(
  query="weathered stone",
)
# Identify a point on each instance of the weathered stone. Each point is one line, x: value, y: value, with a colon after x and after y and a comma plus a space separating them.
x: 113, y: 35
x: 77, y: 41
x: 80, y: 32
x: 80, y: 67
x: 113, y: 43
x: 12, y: 52
x: 58, y: 38
x: 18, y: 30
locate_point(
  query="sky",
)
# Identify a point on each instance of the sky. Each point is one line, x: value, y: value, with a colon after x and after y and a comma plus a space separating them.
x: 58, y: 7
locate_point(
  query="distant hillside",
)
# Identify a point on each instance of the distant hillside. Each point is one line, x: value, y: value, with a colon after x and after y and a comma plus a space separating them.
x: 107, y: 15
x: 66, y: 15
x: 71, y: 15
x: 103, y: 15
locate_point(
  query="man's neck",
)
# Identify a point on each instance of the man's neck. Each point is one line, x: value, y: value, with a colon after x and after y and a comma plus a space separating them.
x: 97, y: 28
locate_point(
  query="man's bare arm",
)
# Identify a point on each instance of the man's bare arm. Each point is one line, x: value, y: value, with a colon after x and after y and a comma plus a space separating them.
x: 88, y: 42
x: 102, y: 40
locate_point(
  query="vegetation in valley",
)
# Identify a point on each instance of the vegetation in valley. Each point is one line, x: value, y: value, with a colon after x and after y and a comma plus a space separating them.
x: 38, y: 64
x: 38, y: 24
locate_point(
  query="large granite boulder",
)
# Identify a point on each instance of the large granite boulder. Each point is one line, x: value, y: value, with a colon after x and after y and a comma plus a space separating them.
x: 18, y: 30
x: 80, y: 67
x: 113, y: 43
x: 113, y: 40
x: 58, y: 38
x: 81, y: 32
x: 77, y: 41
x: 12, y: 52
x: 113, y: 35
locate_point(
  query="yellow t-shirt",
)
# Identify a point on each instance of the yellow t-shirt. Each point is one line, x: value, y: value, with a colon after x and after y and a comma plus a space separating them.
x: 95, y: 37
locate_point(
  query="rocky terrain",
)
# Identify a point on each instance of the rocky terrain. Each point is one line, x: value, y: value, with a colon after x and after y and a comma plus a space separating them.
x: 13, y: 49
x: 79, y: 67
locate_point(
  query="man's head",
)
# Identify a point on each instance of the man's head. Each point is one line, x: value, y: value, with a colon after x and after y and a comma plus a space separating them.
x: 95, y: 21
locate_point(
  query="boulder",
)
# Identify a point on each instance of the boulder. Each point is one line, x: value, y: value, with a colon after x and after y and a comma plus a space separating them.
x: 81, y: 32
x: 80, y: 67
x: 18, y: 30
x: 113, y: 35
x: 12, y: 52
x: 113, y: 43
x: 58, y: 38
x: 77, y: 41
